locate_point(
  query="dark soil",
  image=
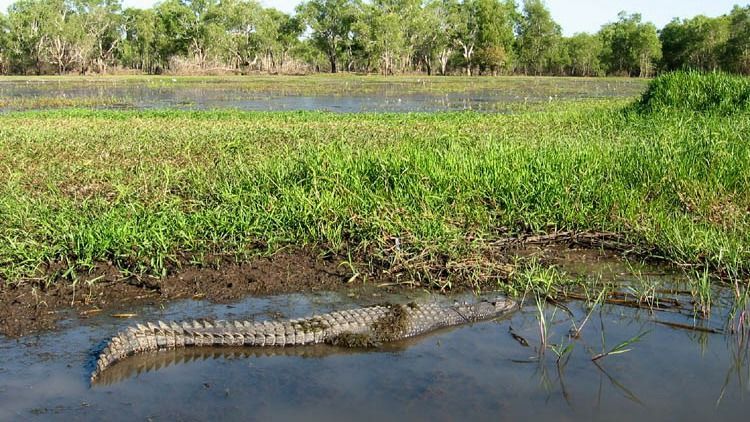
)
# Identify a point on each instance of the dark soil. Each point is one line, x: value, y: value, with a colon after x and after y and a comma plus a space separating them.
x: 27, y: 308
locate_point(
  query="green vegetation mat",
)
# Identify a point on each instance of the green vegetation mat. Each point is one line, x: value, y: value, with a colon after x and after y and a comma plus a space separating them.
x: 145, y: 189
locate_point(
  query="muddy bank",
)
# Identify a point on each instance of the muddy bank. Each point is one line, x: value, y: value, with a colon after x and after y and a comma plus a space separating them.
x: 28, y: 308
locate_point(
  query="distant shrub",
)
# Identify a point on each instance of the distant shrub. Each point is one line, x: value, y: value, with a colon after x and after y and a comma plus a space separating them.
x: 718, y: 93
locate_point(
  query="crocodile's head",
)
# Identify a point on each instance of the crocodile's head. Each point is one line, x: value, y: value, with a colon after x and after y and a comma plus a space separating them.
x: 490, y: 308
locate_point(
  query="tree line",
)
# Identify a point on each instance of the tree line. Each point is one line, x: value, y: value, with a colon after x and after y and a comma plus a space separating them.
x: 384, y: 36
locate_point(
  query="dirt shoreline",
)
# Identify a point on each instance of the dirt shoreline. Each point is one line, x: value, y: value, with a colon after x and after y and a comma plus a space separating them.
x: 29, y: 308
x: 26, y: 308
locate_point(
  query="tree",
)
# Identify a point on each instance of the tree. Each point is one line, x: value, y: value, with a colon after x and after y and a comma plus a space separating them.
x: 388, y: 36
x: 190, y: 27
x: 98, y: 24
x: 465, y: 30
x: 584, y: 51
x: 737, y: 50
x: 696, y: 43
x: 496, y: 21
x: 27, y: 24
x: 331, y: 24
x: 139, y: 49
x: 538, y: 37
x: 446, y: 19
x: 277, y: 33
x: 4, y: 44
x: 631, y: 47
x: 240, y: 21
x: 64, y: 41
x: 380, y: 36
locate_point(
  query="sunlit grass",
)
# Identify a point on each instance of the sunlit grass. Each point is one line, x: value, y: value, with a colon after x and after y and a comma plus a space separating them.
x: 718, y: 93
x: 144, y: 189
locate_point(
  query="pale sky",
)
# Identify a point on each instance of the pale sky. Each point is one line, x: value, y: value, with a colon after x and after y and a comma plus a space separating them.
x: 573, y: 15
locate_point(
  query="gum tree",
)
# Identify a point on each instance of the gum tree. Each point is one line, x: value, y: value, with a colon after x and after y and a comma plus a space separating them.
x: 631, y: 46
x: 538, y: 37
x: 737, y: 52
x: 139, y: 50
x: 330, y: 23
x: 496, y: 21
x: 696, y: 43
x: 584, y: 51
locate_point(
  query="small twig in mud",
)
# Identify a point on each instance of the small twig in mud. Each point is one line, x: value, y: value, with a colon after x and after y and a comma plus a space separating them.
x: 560, y: 305
x: 522, y: 341
x: 124, y: 315
x: 689, y: 327
x: 412, y: 283
x: 352, y: 278
x: 350, y: 263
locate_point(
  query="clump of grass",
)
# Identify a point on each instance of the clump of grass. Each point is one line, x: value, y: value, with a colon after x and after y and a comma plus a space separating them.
x: 532, y: 277
x: 701, y: 291
x: 715, y: 92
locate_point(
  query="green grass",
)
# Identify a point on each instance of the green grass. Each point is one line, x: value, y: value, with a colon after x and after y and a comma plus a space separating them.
x: 717, y: 93
x: 143, y: 189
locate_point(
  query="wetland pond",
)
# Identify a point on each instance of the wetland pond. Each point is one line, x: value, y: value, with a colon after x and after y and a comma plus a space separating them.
x: 474, y: 372
x: 266, y: 94
x: 684, y: 367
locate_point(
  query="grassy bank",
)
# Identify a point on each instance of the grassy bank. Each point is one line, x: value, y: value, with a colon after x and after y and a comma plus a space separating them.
x: 142, y: 189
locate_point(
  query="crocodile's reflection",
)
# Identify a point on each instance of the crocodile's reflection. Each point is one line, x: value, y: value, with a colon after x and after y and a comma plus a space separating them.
x: 149, y: 362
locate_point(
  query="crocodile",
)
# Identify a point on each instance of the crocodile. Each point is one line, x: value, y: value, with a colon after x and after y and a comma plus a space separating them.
x: 363, y: 327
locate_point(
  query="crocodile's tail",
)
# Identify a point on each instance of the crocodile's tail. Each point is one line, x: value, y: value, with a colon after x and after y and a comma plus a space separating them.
x: 152, y: 337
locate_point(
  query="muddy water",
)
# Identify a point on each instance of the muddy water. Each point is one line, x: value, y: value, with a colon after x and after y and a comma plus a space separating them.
x: 477, y: 372
x: 343, y: 97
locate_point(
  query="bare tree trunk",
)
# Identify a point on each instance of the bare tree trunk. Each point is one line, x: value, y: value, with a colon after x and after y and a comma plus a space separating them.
x: 445, y: 55
x: 332, y: 59
x: 468, y: 52
x: 428, y: 65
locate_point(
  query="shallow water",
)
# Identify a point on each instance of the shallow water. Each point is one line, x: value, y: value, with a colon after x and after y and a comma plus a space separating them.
x: 476, y: 372
x: 341, y: 97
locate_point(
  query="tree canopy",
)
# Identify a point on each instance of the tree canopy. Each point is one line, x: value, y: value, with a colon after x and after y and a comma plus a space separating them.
x: 384, y: 36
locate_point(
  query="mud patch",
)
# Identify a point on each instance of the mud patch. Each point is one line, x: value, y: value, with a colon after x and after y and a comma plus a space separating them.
x: 283, y: 272
x: 27, y: 308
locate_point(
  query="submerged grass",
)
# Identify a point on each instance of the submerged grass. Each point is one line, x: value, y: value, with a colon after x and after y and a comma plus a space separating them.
x: 144, y: 189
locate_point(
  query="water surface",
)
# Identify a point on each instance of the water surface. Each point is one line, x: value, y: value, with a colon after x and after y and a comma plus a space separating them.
x: 346, y: 95
x: 476, y: 372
